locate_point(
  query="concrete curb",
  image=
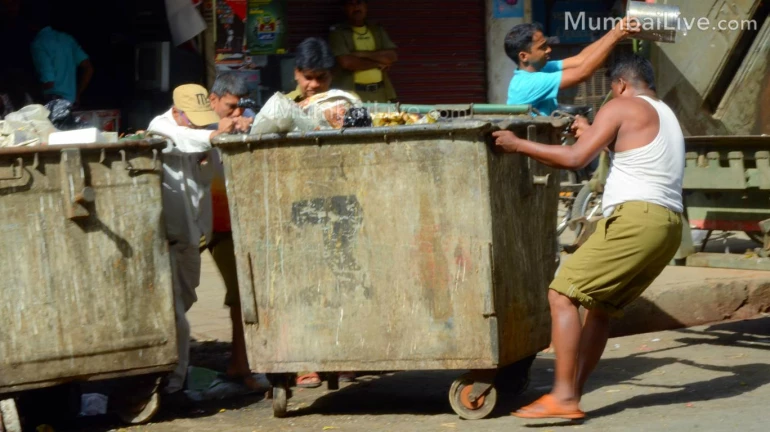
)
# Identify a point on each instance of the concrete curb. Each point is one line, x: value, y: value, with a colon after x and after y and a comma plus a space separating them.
x: 689, y: 296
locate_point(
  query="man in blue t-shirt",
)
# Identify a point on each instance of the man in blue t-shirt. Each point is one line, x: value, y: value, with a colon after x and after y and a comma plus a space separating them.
x: 537, y: 80
x: 64, y: 70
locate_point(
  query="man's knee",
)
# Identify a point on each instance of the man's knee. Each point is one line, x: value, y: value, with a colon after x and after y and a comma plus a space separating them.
x: 558, y: 300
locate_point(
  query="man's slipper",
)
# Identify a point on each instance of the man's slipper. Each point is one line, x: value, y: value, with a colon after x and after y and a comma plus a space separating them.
x: 548, y: 407
x: 311, y: 380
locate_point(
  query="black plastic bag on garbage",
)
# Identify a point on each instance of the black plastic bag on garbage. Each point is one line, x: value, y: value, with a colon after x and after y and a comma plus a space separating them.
x: 357, y: 117
x: 61, y: 115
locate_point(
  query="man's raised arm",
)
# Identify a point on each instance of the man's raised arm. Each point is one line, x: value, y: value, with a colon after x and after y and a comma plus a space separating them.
x: 580, y: 67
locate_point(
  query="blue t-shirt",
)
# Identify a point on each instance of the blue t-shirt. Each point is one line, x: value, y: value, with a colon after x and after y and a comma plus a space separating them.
x: 57, y: 56
x: 538, y: 89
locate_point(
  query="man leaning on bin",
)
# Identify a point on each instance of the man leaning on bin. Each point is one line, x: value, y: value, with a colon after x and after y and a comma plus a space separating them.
x: 189, y: 165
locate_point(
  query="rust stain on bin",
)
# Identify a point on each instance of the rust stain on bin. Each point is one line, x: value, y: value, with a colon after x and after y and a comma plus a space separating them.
x: 445, y: 264
x: 90, y: 296
x: 433, y: 267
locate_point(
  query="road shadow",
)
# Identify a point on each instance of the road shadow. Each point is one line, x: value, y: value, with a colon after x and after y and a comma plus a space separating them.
x: 740, y: 379
x: 426, y: 393
x: 35, y: 408
x: 415, y: 392
x: 754, y: 334
x: 108, y: 423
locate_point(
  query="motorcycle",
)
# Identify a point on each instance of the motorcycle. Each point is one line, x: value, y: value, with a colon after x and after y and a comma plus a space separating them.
x: 577, y: 197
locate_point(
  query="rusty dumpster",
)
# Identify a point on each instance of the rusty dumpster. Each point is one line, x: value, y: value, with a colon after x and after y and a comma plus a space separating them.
x: 394, y: 248
x: 86, y: 291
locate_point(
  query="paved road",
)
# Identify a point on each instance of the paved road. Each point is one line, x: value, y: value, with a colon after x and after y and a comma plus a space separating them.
x: 712, y: 378
x: 709, y: 378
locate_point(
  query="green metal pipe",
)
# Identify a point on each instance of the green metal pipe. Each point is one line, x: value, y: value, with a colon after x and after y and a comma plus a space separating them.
x: 425, y: 109
x: 501, y: 109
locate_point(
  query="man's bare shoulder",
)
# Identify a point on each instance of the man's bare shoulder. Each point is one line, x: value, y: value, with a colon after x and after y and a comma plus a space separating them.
x: 625, y: 107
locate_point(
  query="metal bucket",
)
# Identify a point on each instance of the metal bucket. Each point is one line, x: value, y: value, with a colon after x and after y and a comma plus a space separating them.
x: 658, y: 22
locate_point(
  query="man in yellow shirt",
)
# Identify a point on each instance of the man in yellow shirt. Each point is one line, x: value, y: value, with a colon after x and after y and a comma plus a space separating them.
x: 364, y: 54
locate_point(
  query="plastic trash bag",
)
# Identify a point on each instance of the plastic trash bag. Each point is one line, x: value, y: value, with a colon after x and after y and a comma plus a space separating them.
x: 280, y: 115
x: 28, y: 126
x: 357, y: 117
x: 61, y: 115
x: 329, y: 109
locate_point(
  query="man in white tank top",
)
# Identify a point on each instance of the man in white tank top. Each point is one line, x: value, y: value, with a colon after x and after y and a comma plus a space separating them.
x: 632, y: 245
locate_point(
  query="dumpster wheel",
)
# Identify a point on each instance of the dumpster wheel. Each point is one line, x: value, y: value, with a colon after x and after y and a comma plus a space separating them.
x: 464, y: 405
x: 280, y: 396
x: 140, y: 402
x: 9, y: 416
x: 143, y: 415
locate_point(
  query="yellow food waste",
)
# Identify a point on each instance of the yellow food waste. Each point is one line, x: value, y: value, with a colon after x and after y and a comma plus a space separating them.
x: 399, y: 119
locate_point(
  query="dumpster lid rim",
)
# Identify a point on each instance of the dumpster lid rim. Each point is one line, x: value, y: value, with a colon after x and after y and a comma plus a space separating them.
x: 464, y: 125
x: 143, y: 144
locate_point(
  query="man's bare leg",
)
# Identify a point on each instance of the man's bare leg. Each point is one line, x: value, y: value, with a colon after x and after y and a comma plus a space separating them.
x: 565, y: 337
x: 593, y: 340
x: 563, y: 401
x: 239, y: 361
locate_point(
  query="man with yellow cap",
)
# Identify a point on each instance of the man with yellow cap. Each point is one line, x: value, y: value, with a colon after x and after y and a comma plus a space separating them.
x: 187, y: 173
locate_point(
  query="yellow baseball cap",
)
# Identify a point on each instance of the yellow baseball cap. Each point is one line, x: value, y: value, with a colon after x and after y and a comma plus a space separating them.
x: 193, y: 101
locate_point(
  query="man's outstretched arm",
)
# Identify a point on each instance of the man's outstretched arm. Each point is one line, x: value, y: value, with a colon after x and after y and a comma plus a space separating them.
x: 591, y: 141
x: 579, y: 68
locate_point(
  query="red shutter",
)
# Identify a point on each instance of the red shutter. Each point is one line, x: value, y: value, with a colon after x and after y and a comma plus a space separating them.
x: 441, y: 44
x: 311, y: 18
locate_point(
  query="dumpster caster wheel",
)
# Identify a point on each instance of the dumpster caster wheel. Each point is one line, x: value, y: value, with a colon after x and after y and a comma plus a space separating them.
x: 138, y: 401
x: 280, y: 398
x: 464, y: 404
x: 9, y: 416
x: 140, y: 414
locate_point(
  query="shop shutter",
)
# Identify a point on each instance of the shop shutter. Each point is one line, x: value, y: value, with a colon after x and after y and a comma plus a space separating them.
x: 311, y: 18
x: 442, y: 56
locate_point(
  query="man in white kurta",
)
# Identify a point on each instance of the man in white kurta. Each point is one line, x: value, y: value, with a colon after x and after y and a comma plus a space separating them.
x: 187, y: 174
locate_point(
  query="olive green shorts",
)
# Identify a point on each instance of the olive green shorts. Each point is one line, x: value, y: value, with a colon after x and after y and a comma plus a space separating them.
x: 628, y: 250
x: 223, y: 251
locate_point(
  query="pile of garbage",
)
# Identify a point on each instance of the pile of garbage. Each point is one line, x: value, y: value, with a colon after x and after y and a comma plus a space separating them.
x: 52, y: 123
x: 399, y: 119
x: 334, y: 109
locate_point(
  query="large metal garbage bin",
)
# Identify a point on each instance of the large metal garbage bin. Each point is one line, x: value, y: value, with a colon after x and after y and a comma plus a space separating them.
x: 397, y: 248
x: 86, y: 290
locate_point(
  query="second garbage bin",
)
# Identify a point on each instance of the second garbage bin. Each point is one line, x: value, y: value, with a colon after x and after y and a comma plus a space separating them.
x: 395, y: 248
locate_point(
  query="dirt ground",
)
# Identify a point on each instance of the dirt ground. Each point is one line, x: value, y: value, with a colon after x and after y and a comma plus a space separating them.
x: 712, y: 378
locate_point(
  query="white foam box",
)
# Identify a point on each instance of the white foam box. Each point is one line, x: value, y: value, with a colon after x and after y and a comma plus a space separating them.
x: 78, y: 136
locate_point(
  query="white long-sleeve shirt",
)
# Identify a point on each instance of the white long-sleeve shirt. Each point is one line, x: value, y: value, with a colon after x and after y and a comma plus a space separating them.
x: 187, y: 174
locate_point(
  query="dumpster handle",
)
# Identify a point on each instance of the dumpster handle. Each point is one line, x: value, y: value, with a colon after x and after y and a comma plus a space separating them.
x: 489, y: 301
x: 77, y: 195
x: 137, y: 171
x: 531, y: 136
x: 13, y: 175
x: 249, y: 302
x: 536, y: 179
